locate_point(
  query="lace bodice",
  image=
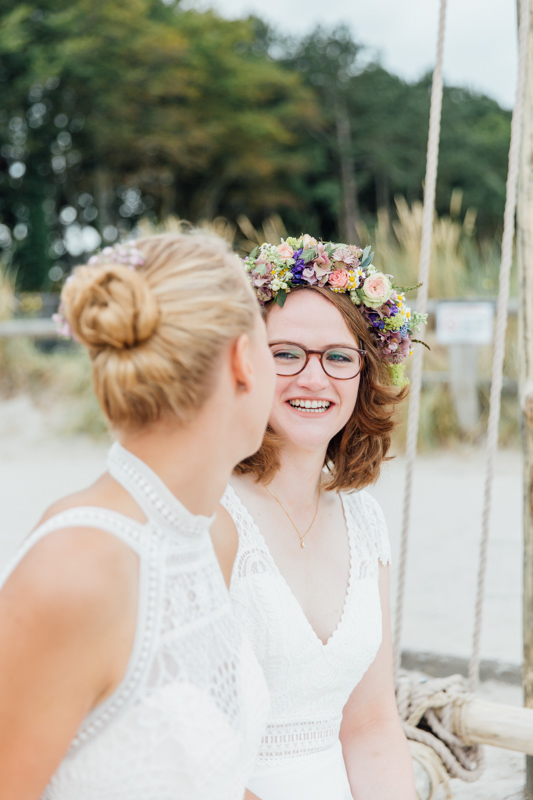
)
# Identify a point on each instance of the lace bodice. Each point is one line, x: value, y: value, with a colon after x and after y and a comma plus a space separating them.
x: 186, y: 721
x: 309, y: 682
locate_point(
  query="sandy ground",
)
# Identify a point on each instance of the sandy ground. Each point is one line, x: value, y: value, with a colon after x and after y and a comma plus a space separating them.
x: 37, y: 467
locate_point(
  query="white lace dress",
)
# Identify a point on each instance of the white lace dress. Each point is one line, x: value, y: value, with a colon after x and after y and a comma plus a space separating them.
x: 187, y: 719
x: 300, y: 757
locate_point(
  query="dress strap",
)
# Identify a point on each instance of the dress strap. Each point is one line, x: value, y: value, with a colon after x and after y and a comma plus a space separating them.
x: 124, y: 528
x: 246, y: 526
x: 151, y: 494
x: 368, y: 532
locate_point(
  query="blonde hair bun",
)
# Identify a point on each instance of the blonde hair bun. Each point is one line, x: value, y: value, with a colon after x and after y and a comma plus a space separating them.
x: 155, y: 333
x: 111, y: 305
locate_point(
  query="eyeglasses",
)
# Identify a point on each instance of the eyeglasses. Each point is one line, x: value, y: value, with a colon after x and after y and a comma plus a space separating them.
x: 338, y: 361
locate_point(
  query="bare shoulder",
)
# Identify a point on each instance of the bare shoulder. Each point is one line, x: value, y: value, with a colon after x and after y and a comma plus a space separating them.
x: 67, y: 624
x: 72, y: 577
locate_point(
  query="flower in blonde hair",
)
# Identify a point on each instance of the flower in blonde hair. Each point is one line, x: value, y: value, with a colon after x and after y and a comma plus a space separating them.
x: 125, y: 254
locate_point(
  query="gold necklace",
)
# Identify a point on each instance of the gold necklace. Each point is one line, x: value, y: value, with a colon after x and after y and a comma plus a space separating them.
x: 301, y: 538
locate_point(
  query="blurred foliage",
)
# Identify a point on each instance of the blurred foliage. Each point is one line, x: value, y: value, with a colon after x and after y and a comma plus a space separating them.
x: 113, y: 112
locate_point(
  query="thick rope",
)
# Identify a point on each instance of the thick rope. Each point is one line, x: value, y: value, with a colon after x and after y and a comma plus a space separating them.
x: 425, y: 708
x: 421, y: 305
x: 501, y: 327
x: 433, y: 768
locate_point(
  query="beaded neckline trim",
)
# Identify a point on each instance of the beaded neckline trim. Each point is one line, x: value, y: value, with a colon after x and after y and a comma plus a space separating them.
x: 153, y: 495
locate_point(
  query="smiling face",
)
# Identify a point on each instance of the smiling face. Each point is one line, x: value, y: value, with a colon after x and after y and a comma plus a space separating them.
x: 311, y: 407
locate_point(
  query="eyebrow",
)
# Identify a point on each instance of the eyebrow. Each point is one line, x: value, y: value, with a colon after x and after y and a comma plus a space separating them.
x: 352, y: 346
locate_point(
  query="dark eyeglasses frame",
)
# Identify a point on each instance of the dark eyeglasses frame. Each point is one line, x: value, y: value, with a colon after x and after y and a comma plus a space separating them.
x: 320, y: 353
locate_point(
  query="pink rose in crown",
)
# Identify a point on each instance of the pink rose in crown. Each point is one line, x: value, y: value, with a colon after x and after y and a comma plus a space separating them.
x: 308, y: 242
x: 285, y: 250
x: 338, y: 279
x: 377, y: 290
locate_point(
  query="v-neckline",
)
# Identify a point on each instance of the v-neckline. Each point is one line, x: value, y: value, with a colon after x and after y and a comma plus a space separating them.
x: 280, y: 575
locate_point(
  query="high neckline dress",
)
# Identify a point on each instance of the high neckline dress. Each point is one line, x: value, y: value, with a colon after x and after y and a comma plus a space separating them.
x: 300, y: 756
x: 186, y: 721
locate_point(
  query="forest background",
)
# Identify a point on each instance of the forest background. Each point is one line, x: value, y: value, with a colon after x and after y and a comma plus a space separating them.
x: 113, y: 112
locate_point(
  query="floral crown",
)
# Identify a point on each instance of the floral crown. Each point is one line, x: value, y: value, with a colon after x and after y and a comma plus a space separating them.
x: 276, y: 269
x: 125, y: 254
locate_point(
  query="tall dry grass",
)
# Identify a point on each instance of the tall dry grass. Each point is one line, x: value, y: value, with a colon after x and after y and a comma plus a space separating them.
x: 461, y: 268
x: 58, y: 381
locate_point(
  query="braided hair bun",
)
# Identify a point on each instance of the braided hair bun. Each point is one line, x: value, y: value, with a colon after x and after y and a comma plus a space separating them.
x: 155, y: 319
x: 111, y: 306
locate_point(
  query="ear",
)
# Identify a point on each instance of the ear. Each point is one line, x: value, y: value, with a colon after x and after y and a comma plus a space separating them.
x: 241, y: 364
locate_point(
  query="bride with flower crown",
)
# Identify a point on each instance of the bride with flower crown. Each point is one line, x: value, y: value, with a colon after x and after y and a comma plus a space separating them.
x: 310, y: 583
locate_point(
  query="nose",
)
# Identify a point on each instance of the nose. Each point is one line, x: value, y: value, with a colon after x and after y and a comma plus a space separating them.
x: 313, y: 376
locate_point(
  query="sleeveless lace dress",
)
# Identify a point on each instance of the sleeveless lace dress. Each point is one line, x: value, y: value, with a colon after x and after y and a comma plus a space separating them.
x: 187, y: 719
x: 300, y: 757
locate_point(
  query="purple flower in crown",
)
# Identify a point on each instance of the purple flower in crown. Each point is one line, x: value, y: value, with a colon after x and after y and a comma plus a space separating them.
x: 298, y: 268
x: 375, y: 320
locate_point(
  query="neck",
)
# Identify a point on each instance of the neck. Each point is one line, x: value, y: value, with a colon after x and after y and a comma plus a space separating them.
x: 300, y: 474
x: 194, y: 461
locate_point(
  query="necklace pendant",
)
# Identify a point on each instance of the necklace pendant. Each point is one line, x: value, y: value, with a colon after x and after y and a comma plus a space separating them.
x: 302, y: 543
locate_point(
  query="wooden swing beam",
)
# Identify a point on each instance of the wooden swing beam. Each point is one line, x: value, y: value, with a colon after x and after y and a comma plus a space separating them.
x: 477, y: 721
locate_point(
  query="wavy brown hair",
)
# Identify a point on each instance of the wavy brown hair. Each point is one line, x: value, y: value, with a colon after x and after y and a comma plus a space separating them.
x: 355, y: 454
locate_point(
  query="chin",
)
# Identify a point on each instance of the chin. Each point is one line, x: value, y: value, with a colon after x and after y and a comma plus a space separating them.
x: 307, y: 435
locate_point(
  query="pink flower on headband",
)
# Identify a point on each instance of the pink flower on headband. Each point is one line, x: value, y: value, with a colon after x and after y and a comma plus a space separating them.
x: 285, y: 250
x: 317, y: 271
x: 345, y: 255
x: 377, y: 289
x: 308, y: 241
x: 338, y: 279
x: 62, y: 326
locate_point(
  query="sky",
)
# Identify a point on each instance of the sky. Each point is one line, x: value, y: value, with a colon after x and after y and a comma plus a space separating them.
x: 480, y: 45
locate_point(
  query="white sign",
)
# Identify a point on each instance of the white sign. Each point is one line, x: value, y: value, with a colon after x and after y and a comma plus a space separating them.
x: 465, y: 323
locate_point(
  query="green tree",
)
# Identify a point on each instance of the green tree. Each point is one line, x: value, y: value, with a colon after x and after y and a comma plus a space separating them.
x: 138, y: 105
